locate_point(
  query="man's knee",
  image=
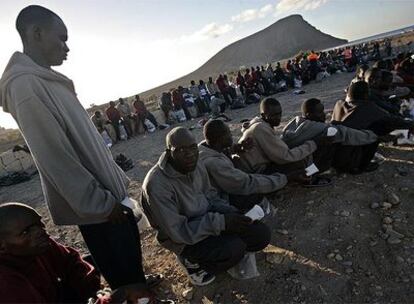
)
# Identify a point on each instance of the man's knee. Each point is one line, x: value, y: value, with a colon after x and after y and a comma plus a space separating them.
x: 259, y: 237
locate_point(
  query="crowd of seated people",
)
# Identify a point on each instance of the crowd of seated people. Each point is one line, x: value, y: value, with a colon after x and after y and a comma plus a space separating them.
x: 198, y: 195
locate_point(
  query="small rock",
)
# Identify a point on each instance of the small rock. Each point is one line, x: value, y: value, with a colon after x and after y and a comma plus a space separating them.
x: 339, y: 257
x: 392, y: 233
x: 188, y: 294
x: 349, y: 270
x: 347, y: 263
x: 386, y: 205
x: 399, y: 259
x: 387, y: 220
x: 336, y: 213
x: 345, y: 213
x: 331, y: 255
x: 393, y: 199
x: 282, y: 231
x: 373, y: 243
x: 309, y: 202
x: 374, y: 206
x: 349, y: 247
x: 393, y: 240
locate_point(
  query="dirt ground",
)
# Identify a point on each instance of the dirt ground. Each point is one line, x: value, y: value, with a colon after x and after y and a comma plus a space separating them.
x: 328, y: 245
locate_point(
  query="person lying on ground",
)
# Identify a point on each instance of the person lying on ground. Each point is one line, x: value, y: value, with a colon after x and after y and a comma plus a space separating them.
x: 36, y: 269
x: 362, y: 113
x: 312, y: 124
x: 269, y: 152
x: 242, y: 189
x: 207, y: 234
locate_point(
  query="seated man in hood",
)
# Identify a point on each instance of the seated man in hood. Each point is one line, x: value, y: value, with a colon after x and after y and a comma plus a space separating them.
x: 36, y: 269
x: 244, y: 190
x: 312, y: 124
x: 269, y: 152
x: 362, y: 113
x: 206, y: 233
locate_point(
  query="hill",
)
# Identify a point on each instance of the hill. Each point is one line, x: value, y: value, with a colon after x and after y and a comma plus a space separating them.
x: 283, y: 39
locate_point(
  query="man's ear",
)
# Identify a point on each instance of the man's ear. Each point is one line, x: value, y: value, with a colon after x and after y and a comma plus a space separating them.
x: 36, y: 32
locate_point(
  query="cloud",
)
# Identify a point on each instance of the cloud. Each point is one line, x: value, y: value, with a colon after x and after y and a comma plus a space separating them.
x: 214, y: 30
x: 290, y: 5
x: 252, y: 14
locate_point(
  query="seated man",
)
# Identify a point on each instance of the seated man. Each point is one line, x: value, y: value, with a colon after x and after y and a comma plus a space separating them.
x: 142, y: 113
x: 245, y: 189
x: 126, y: 115
x: 269, y: 152
x: 312, y: 124
x: 36, y: 269
x: 99, y: 121
x: 362, y: 113
x: 206, y: 233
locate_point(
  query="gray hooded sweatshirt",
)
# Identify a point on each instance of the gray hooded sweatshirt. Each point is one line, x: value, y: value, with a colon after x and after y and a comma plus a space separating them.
x: 269, y: 148
x: 81, y: 182
x: 184, y: 209
x: 229, y: 180
x: 299, y: 130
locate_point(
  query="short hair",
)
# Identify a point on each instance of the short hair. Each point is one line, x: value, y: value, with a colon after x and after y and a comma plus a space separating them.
x: 358, y: 90
x: 33, y: 15
x: 213, y: 130
x: 174, y: 135
x: 268, y: 102
x: 9, y: 211
x: 308, y: 106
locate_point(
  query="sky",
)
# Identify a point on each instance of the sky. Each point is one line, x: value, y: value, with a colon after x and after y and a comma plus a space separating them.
x: 120, y: 48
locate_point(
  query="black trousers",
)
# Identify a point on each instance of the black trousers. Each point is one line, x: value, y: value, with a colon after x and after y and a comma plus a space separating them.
x: 216, y: 254
x: 116, y: 251
x: 245, y: 202
x: 348, y: 158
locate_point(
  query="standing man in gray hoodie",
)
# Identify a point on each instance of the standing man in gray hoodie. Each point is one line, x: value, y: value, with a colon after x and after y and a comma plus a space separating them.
x: 81, y: 183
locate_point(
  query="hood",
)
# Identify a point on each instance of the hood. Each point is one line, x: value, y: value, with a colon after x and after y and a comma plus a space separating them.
x: 299, y: 129
x: 206, y: 152
x: 20, y: 64
x: 252, y: 122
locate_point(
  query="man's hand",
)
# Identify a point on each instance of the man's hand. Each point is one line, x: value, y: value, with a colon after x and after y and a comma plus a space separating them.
x: 236, y: 223
x: 387, y: 138
x: 119, y: 214
x: 324, y: 140
x: 298, y: 177
x: 244, y: 146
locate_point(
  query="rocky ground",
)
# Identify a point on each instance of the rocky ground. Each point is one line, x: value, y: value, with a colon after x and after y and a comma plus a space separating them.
x: 351, y: 242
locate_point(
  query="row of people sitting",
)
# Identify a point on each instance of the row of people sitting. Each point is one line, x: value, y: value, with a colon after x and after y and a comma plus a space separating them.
x: 121, y: 121
x: 197, y: 195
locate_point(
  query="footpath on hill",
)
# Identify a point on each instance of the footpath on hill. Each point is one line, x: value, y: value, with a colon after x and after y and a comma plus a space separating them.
x: 351, y: 242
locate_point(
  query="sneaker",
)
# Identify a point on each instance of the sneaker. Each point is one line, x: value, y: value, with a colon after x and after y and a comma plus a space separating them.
x: 196, y: 275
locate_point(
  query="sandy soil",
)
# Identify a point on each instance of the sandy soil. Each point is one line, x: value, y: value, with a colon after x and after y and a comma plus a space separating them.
x: 328, y: 245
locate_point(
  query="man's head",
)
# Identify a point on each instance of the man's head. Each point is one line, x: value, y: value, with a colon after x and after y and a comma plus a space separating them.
x: 210, y: 79
x: 217, y: 135
x: 361, y: 69
x: 373, y: 77
x: 358, y: 91
x: 313, y: 109
x: 121, y: 101
x: 112, y: 104
x: 138, y: 98
x: 182, y: 150
x: 271, y: 111
x: 22, y: 232
x: 98, y: 114
x: 43, y: 34
x: 192, y: 82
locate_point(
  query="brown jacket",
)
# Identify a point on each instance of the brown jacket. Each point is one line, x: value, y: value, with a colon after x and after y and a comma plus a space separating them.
x: 269, y: 148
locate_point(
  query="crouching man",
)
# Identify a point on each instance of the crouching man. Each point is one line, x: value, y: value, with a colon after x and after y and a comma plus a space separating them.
x: 206, y: 233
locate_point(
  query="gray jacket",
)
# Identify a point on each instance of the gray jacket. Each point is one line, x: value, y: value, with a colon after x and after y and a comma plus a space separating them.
x: 184, y: 209
x: 81, y: 182
x: 229, y: 180
x: 300, y: 130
